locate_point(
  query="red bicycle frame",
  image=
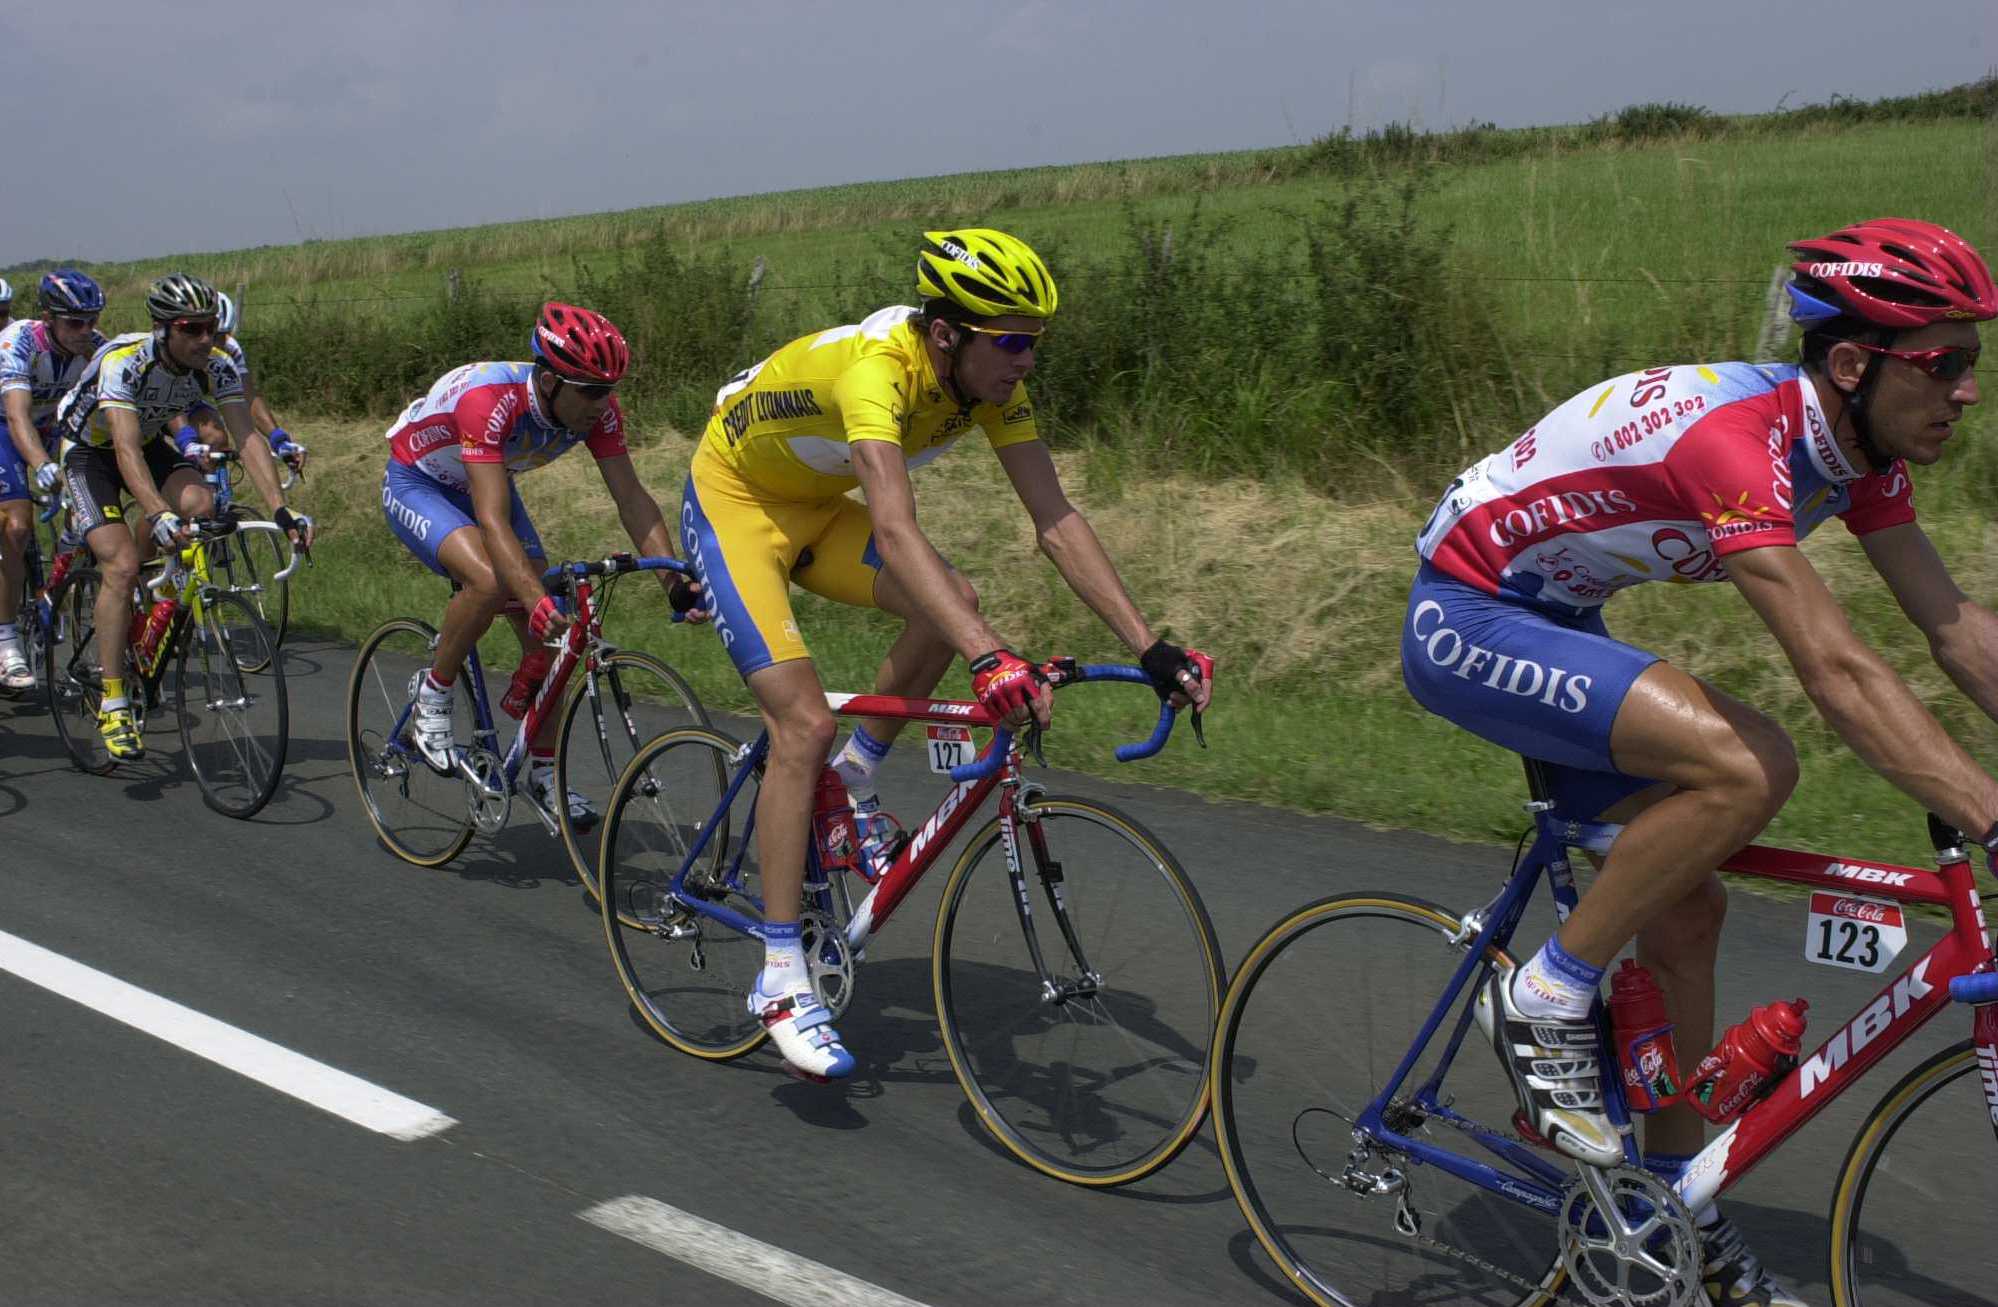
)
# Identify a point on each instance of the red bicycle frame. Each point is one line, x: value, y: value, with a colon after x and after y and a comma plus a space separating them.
x: 1890, y: 1017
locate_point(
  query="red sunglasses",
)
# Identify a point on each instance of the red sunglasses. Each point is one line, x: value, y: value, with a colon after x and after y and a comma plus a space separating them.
x: 1946, y: 364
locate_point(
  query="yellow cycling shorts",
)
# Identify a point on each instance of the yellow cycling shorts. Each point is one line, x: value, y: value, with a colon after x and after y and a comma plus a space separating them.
x: 747, y: 548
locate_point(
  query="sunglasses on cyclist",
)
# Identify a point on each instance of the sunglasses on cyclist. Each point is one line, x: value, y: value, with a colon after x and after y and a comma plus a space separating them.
x: 77, y: 319
x: 1007, y: 342
x: 195, y: 326
x: 1946, y: 364
x: 592, y: 389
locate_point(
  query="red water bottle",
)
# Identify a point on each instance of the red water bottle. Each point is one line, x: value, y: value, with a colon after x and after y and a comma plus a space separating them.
x: 526, y: 680
x: 1750, y: 1057
x: 1643, y: 1037
x: 832, y: 822
x: 146, y: 638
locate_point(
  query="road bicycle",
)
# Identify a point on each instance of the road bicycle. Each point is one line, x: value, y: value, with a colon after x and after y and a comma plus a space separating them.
x: 426, y: 816
x: 1075, y: 970
x: 1375, y: 1170
x: 255, y: 565
x: 227, y: 682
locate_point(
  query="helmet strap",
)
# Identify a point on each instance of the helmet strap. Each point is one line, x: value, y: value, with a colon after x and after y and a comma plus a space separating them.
x: 1862, y: 419
x: 949, y: 379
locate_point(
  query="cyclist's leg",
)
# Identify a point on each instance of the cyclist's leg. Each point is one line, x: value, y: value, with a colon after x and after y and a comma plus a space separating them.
x: 95, y: 490
x: 743, y: 552
x: 17, y: 532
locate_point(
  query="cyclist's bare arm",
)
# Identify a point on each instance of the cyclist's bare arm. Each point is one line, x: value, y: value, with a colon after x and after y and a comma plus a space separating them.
x: 130, y: 452
x: 908, y: 554
x: 1869, y: 706
x: 21, y: 426
x: 255, y: 453
x: 1071, y: 545
x: 1962, y: 634
x: 492, y: 505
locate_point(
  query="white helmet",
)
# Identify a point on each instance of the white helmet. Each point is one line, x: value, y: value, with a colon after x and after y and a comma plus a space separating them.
x: 6, y: 292
x: 225, y: 315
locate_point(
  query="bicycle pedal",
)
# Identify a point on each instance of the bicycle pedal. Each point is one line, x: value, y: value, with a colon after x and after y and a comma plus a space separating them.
x: 1524, y: 1129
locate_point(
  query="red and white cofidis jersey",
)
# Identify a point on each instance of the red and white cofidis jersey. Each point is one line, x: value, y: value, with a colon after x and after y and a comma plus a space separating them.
x: 31, y: 361
x: 1655, y: 476
x: 488, y: 413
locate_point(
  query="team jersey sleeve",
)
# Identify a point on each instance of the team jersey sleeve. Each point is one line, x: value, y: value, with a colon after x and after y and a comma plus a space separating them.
x: 606, y: 438
x: 873, y: 400
x: 1726, y: 473
x: 17, y: 361
x: 1882, y: 500
x: 225, y: 383
x: 484, y: 416
x: 1011, y: 423
x: 118, y: 380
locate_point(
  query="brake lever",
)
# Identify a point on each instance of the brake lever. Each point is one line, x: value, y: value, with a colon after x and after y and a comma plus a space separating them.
x: 1030, y: 740
x: 1199, y: 733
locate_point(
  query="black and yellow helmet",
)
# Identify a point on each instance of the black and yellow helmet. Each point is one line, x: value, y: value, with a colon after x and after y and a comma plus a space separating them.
x: 178, y: 295
x: 985, y: 272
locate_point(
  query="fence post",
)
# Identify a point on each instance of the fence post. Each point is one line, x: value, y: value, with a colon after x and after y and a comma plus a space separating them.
x: 755, y: 281
x: 451, y: 279
x: 1775, y: 321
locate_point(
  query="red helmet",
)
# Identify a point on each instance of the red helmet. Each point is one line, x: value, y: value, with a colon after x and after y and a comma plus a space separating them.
x: 578, y: 345
x: 1892, y: 272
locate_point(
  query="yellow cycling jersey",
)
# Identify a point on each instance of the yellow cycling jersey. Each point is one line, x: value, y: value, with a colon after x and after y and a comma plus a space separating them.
x: 128, y: 373
x: 784, y: 426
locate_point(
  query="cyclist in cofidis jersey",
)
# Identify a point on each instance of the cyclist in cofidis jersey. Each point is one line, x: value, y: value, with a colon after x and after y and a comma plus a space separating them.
x: 766, y: 505
x: 40, y: 358
x: 6, y: 303
x: 1704, y: 473
x: 143, y: 419
x: 282, y: 445
x: 449, y: 496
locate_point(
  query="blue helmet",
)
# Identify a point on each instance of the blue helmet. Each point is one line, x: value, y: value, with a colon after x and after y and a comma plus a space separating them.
x: 68, y: 291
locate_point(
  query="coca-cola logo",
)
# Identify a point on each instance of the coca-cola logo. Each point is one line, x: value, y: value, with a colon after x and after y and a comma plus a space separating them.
x: 1880, y: 912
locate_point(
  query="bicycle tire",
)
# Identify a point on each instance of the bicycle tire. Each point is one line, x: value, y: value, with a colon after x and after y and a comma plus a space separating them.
x: 593, y: 772
x: 72, y: 683
x: 1933, y: 1182
x: 434, y: 828
x: 1152, y: 1017
x: 230, y: 655
x: 661, y: 802
x: 1315, y: 1111
x: 242, y: 564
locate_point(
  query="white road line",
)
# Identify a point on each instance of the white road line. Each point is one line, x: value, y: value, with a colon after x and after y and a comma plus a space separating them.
x: 725, y: 1254
x: 367, y: 1105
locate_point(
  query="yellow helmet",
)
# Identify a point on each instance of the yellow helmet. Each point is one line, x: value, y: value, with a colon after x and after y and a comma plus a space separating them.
x: 985, y: 272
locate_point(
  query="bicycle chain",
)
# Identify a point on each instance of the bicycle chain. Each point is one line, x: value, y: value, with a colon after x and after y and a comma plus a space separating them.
x: 1467, y: 1126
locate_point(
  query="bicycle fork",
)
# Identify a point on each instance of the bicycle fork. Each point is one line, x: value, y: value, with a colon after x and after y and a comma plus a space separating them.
x: 1088, y: 981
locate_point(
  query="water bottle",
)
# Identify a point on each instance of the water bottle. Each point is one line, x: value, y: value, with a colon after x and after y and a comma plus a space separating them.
x: 1643, y: 1038
x: 1751, y: 1057
x: 157, y: 619
x: 832, y: 823
x: 526, y: 680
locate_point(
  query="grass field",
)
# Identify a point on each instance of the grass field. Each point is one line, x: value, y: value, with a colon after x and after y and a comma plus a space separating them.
x: 1562, y: 255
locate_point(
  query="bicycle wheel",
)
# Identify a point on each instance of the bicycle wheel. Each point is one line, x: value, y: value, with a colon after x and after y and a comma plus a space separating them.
x: 230, y: 697
x: 71, y: 679
x: 422, y: 816
x: 1105, y: 1083
x: 1906, y: 1181
x: 687, y: 975
x: 244, y: 565
x: 633, y: 698
x: 1320, y: 1013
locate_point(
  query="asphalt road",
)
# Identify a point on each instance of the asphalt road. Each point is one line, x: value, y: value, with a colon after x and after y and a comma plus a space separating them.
x: 482, y: 996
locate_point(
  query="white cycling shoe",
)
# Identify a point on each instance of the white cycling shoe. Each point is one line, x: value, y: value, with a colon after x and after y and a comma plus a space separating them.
x: 1556, y: 1070
x: 15, y: 674
x: 802, y: 1029
x: 430, y: 725
x: 582, y: 813
x: 1733, y: 1276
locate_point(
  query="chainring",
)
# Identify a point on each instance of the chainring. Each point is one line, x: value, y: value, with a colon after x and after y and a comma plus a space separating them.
x: 1628, y: 1241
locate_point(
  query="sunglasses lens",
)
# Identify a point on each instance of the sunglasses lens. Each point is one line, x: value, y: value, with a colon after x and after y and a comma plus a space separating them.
x: 595, y: 391
x: 1016, y: 342
x: 1951, y: 364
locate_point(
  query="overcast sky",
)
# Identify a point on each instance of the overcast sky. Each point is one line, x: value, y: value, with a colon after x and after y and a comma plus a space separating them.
x: 354, y: 117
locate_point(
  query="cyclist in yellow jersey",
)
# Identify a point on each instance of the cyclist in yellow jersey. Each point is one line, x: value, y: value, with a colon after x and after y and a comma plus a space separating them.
x: 766, y: 504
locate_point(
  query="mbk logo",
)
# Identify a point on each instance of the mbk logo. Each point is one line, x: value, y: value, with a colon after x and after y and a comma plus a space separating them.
x: 1869, y: 1025
x: 937, y: 820
x: 1867, y: 875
